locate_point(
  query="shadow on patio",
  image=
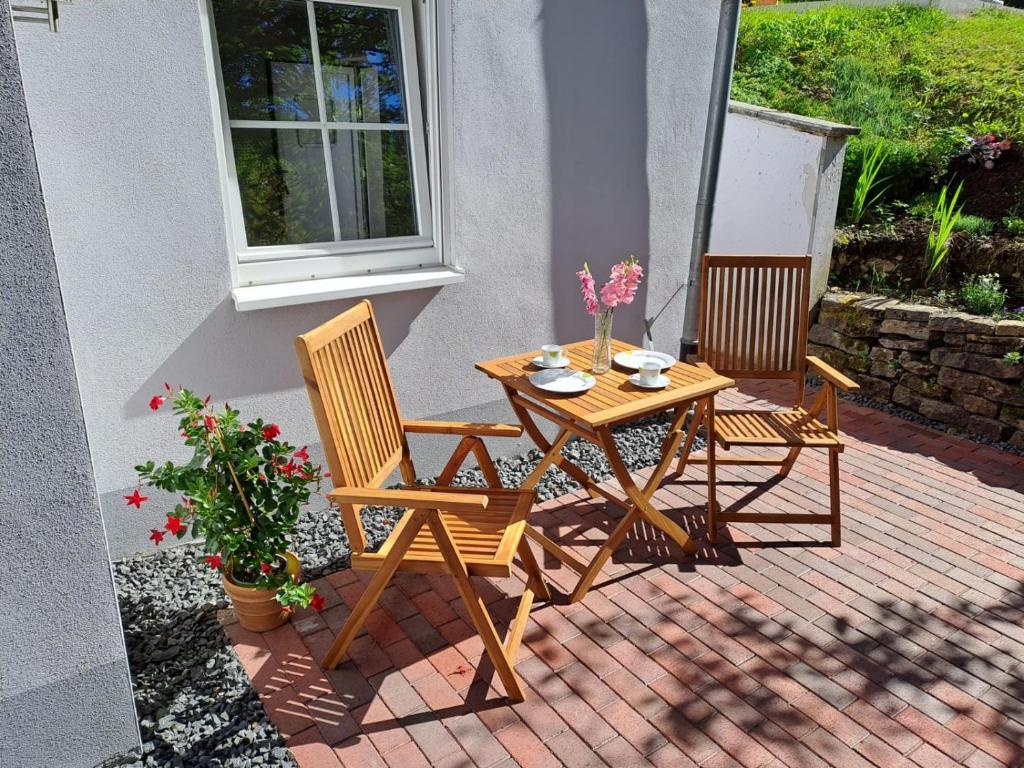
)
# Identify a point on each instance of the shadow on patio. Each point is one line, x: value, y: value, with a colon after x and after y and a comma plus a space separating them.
x: 903, y: 647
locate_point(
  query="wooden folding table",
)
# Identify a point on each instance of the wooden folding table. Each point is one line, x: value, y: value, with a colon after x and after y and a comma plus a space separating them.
x: 591, y: 415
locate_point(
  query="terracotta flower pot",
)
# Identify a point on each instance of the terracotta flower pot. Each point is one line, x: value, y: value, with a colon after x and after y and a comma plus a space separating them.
x: 257, y: 608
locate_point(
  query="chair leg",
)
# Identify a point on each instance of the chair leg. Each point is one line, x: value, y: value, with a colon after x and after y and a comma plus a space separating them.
x: 486, y: 464
x: 712, y: 448
x: 405, y: 532
x: 788, y: 462
x: 476, y: 608
x: 458, y: 456
x: 408, y: 470
x: 833, y: 488
x: 536, y: 578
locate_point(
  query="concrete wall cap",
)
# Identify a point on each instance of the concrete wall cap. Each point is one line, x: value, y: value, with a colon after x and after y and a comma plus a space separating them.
x: 789, y: 120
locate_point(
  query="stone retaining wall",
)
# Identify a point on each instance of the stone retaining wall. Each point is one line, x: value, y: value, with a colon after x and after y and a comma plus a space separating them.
x: 945, y: 365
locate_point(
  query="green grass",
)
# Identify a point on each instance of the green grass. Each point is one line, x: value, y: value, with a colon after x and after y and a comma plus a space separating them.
x: 916, y: 78
x: 978, y: 226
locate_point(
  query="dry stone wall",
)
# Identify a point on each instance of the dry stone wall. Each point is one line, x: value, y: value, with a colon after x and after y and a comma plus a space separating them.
x: 945, y: 365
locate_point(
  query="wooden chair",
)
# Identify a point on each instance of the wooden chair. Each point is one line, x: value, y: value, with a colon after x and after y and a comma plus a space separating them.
x: 461, y: 532
x: 753, y: 325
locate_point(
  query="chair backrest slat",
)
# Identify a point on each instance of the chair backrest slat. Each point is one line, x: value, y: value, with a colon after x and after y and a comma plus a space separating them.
x: 754, y: 315
x: 353, y: 400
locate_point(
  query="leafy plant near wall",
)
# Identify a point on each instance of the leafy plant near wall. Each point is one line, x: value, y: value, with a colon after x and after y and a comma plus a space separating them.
x: 983, y: 294
x: 944, y: 221
x: 866, y: 192
x: 242, y: 491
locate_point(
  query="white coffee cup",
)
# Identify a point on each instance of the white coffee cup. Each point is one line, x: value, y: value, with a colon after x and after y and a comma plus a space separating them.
x: 551, y: 354
x: 650, y: 372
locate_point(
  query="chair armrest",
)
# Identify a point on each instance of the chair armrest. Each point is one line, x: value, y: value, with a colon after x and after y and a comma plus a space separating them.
x: 831, y: 375
x: 402, y: 497
x: 467, y: 428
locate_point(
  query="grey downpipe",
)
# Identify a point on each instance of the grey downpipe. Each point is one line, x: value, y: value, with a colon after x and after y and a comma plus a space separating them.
x: 718, y: 109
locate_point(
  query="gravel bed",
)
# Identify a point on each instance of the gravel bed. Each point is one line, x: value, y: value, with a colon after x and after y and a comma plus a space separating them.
x: 194, y: 701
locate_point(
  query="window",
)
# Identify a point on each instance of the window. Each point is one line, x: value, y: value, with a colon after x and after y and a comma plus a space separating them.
x: 327, y: 165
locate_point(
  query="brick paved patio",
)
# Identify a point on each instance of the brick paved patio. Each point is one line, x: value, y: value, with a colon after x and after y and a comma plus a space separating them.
x: 905, y: 647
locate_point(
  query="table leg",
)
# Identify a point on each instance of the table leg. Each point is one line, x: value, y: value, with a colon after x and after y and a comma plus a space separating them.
x: 552, y: 455
x: 641, y: 508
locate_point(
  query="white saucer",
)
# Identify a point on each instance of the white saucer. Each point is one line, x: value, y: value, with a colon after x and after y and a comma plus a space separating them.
x: 663, y: 381
x: 632, y: 359
x: 564, y: 382
x: 539, y: 362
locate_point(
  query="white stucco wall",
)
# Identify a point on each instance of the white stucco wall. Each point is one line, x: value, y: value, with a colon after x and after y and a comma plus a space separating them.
x: 578, y: 130
x: 778, y: 187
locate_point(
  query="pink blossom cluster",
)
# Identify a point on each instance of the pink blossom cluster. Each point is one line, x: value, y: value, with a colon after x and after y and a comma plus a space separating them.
x: 620, y: 289
x: 587, y: 288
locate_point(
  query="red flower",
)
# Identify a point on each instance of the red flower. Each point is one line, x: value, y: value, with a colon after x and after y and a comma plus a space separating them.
x: 174, y: 525
x: 289, y: 469
x: 156, y: 536
x: 327, y: 474
x: 136, y: 498
x: 317, y: 603
x: 157, y: 401
x: 186, y: 502
x: 207, y: 400
x: 211, y: 423
x: 214, y: 561
x: 271, y: 431
x: 302, y: 454
x: 266, y: 569
x: 263, y: 478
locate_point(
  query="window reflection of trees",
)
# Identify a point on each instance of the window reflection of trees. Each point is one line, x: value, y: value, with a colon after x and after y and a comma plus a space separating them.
x: 268, y: 61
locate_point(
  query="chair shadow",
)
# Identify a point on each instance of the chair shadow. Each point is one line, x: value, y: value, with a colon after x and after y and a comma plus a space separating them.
x: 761, y: 487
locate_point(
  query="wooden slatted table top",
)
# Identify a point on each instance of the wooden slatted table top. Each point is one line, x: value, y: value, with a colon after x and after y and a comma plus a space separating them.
x: 613, y: 399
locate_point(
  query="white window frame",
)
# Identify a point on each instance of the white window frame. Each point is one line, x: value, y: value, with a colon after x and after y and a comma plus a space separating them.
x: 346, y: 268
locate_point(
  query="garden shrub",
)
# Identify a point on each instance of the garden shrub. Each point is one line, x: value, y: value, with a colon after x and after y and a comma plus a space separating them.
x: 1014, y: 225
x: 983, y: 294
x: 923, y: 205
x: 977, y: 226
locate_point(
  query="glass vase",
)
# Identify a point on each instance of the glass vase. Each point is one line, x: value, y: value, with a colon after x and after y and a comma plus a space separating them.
x: 602, y: 341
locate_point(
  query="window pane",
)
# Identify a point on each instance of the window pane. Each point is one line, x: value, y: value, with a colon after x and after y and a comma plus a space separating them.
x: 283, y: 183
x: 360, y: 57
x: 373, y: 181
x: 266, y: 59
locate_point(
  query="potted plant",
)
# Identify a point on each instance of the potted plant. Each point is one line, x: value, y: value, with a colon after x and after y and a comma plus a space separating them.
x: 242, y: 491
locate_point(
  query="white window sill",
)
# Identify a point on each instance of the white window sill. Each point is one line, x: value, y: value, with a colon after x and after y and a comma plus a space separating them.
x: 326, y: 289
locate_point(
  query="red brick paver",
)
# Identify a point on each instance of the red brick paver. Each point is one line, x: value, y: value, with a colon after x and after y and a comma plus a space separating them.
x: 903, y: 648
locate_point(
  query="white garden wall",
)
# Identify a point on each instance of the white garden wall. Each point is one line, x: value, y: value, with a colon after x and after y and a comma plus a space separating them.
x: 778, y: 186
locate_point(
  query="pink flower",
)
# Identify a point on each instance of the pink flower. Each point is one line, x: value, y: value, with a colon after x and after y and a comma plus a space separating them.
x: 622, y: 286
x: 587, y: 289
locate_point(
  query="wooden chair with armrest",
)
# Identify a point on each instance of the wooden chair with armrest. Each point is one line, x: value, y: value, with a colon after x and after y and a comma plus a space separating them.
x: 754, y: 317
x: 461, y: 532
